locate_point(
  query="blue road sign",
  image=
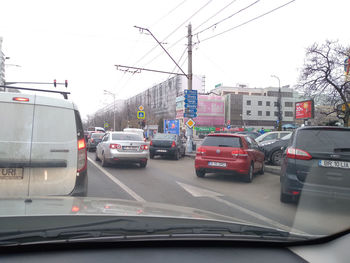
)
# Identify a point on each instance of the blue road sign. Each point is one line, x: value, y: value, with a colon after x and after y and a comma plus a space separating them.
x: 188, y: 115
x: 141, y: 114
x: 191, y: 97
x: 190, y: 92
x: 228, y: 126
x: 190, y: 106
x: 188, y: 110
x: 191, y: 101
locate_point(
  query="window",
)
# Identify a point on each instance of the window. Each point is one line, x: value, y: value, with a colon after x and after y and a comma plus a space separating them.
x: 249, y: 102
x: 276, y: 113
x: 288, y: 104
x: 259, y: 103
x: 268, y: 103
x: 249, y: 112
x: 271, y: 136
x: 259, y: 113
x: 288, y: 113
x: 267, y: 113
x: 222, y: 141
x: 275, y: 104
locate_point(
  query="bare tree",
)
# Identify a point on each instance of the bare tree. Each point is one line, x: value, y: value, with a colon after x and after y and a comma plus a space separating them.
x: 323, y: 78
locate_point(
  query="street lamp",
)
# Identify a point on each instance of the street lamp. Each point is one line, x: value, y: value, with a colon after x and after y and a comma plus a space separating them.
x: 112, y: 94
x: 279, y: 106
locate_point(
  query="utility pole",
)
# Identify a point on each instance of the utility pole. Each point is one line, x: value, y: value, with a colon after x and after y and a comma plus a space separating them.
x: 279, y: 104
x: 189, y: 84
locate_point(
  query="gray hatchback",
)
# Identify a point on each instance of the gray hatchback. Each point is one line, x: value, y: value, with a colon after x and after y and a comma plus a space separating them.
x: 316, y: 162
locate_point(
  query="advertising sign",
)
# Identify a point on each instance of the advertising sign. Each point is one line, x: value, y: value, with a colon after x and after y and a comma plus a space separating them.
x: 172, y: 126
x: 304, y: 109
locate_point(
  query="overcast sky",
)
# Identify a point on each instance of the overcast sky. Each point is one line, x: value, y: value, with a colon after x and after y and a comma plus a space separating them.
x: 81, y: 41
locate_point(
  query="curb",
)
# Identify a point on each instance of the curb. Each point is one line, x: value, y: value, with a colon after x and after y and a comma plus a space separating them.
x: 273, y: 169
x: 192, y: 156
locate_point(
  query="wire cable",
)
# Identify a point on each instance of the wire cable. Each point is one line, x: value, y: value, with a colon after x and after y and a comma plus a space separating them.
x: 251, y: 20
x: 172, y: 10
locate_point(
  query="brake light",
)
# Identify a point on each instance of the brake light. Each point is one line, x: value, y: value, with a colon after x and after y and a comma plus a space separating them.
x: 239, y: 153
x: 173, y: 144
x: 150, y: 143
x: 75, y: 208
x: 20, y: 99
x: 115, y: 146
x: 298, y: 154
x: 82, y: 155
x: 201, y: 151
x: 144, y: 147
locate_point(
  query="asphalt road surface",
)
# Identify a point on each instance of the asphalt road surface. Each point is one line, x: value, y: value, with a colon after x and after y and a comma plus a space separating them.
x: 174, y: 182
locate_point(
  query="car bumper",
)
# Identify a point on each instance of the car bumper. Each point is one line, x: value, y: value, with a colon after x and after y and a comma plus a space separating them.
x: 162, y: 151
x: 128, y: 157
x: 292, y: 186
x: 239, y: 166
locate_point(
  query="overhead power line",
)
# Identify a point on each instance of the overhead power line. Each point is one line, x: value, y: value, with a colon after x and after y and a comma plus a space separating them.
x: 167, y: 14
x: 239, y: 11
x: 250, y: 20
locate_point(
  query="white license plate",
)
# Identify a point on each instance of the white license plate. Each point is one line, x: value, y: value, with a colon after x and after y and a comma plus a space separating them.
x: 161, y: 151
x: 11, y: 173
x: 217, y: 164
x: 334, y: 164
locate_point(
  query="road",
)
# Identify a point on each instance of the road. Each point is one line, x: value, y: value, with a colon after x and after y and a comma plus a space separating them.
x: 174, y: 182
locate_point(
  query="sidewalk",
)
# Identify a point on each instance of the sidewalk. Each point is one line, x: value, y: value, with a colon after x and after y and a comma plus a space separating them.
x: 268, y: 168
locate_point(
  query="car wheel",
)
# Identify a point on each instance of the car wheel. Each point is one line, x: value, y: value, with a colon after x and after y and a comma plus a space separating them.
x: 143, y: 164
x: 285, y: 198
x: 103, y: 161
x: 177, y: 155
x: 249, y: 177
x: 276, y: 157
x: 96, y: 157
x: 262, y: 170
x: 200, y: 173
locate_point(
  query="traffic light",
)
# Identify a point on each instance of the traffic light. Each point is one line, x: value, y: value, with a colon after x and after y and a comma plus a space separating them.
x: 66, y: 83
x: 54, y: 83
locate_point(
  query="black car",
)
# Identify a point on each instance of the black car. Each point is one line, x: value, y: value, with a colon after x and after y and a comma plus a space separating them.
x: 165, y: 144
x: 316, y: 162
x: 95, y: 138
x: 252, y: 134
x: 273, y: 149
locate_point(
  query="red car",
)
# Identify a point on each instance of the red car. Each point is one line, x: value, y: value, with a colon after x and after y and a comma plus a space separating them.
x: 229, y: 153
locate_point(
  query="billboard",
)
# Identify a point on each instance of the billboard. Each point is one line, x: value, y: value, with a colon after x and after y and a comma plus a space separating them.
x: 172, y: 126
x: 304, y: 109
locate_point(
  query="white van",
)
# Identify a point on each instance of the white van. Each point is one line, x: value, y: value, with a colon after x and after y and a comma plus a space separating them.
x: 42, y: 147
x: 135, y: 130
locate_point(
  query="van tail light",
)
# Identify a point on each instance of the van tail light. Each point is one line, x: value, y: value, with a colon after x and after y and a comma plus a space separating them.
x: 201, y: 151
x: 82, y: 155
x: 143, y: 147
x: 239, y: 153
x: 150, y: 143
x: 293, y: 153
x: 173, y: 144
x: 20, y: 99
x: 115, y: 146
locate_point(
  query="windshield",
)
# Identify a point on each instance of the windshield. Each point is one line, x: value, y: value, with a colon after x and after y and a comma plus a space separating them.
x: 174, y: 110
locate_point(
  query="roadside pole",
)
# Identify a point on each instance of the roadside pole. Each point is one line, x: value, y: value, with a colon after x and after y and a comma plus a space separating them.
x: 189, y: 131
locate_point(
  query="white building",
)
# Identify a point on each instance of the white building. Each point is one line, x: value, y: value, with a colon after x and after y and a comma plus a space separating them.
x: 2, y: 65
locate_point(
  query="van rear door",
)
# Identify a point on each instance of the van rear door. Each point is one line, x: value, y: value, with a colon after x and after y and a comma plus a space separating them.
x: 16, y: 118
x: 54, y: 148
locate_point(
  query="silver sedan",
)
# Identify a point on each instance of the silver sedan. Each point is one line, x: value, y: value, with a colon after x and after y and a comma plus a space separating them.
x: 117, y: 147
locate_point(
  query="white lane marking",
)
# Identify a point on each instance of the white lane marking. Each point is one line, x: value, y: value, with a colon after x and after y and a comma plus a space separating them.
x: 198, y: 192
x: 119, y: 183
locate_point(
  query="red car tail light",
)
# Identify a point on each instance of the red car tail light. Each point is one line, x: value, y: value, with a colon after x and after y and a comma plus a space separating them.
x: 298, y: 154
x: 239, y: 153
x: 173, y: 144
x: 201, y: 151
x: 82, y: 155
x: 115, y: 146
x: 144, y: 147
x: 92, y: 139
x: 150, y: 143
x: 20, y: 99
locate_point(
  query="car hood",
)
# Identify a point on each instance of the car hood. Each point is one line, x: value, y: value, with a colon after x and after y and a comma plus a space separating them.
x: 61, y: 206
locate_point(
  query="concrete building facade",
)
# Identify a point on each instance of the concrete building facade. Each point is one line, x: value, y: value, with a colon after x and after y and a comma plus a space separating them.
x: 2, y: 65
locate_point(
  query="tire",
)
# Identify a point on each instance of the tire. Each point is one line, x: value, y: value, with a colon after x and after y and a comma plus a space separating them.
x: 143, y: 164
x: 286, y: 198
x: 103, y: 161
x: 177, y: 155
x: 249, y: 177
x: 276, y: 157
x: 200, y: 173
x: 262, y: 170
x: 96, y: 157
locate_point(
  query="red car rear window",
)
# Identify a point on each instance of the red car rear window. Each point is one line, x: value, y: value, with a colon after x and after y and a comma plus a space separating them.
x: 222, y: 141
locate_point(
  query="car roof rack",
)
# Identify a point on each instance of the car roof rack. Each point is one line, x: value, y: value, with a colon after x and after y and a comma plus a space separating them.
x: 63, y: 93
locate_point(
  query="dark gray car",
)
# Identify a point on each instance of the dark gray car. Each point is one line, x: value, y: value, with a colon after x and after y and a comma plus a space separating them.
x: 94, y: 139
x: 316, y: 162
x: 165, y: 144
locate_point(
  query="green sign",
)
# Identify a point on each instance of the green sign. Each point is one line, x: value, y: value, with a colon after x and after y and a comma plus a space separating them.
x: 204, y: 129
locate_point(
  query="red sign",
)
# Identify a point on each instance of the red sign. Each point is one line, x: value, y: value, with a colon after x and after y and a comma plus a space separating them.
x: 304, y: 109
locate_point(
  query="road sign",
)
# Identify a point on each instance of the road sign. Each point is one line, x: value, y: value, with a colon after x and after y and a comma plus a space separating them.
x: 141, y: 108
x: 191, y: 101
x: 228, y: 126
x: 190, y: 115
x: 190, y: 123
x: 106, y: 125
x: 191, y: 97
x: 190, y: 106
x: 188, y: 110
x: 190, y: 92
x: 141, y: 114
